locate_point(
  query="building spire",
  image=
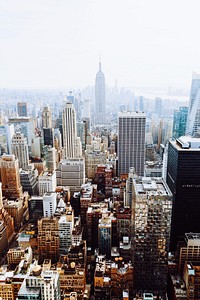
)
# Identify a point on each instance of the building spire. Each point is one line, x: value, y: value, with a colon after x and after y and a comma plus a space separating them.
x: 99, y: 62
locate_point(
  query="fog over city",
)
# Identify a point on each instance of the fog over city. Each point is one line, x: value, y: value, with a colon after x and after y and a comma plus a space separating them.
x: 57, y: 44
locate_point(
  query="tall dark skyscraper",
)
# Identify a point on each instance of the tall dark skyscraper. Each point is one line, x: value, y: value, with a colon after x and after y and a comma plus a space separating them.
x: 131, y: 142
x: 100, y: 107
x: 183, y: 179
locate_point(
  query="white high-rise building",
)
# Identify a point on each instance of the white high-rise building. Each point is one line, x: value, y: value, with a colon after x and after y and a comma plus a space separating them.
x: 131, y: 142
x: 46, y: 118
x: 86, y: 109
x: 19, y: 148
x: 65, y: 227
x: 193, y: 119
x: 47, y: 182
x: 49, y: 204
x: 6, y: 134
x: 72, y: 147
x: 100, y: 107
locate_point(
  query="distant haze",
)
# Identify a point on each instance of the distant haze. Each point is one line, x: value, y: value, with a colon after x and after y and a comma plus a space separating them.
x: 56, y: 44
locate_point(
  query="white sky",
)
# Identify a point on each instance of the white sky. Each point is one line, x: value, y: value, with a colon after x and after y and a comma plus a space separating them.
x: 56, y: 43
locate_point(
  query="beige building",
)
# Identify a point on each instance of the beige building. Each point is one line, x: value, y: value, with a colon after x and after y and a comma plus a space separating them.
x: 48, y: 239
x: 9, y: 171
x: 189, y: 250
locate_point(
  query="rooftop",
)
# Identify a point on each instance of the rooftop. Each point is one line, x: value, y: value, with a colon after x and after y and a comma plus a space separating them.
x: 187, y: 143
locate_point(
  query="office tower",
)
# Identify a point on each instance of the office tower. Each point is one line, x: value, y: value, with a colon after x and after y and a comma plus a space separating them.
x: 46, y: 118
x: 141, y: 103
x: 65, y: 227
x: 71, y: 172
x: 72, y: 146
x: 19, y: 148
x: 100, y: 107
x: 48, y: 135
x: 51, y: 159
x: 131, y: 142
x: 22, y: 109
x: 179, y: 122
x: 6, y: 134
x: 57, y: 139
x: 35, y: 207
x: 183, y: 169
x: 94, y: 213
x: 82, y: 133
x: 48, y: 239
x: 193, y: 119
x: 10, y: 178
x: 25, y: 125
x: 36, y: 146
x: 86, y: 109
x: 158, y: 106
x: 47, y: 182
x: 152, y: 204
x: 49, y: 204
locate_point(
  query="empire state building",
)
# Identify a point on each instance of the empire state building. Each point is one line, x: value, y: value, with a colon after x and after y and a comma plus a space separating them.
x: 100, y: 108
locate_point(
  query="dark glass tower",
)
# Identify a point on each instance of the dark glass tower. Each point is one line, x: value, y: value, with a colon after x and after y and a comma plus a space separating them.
x: 183, y: 179
x: 100, y: 107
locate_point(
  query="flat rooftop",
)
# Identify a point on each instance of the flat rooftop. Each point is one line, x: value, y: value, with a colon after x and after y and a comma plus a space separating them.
x: 153, y: 186
x: 186, y: 143
x: 131, y: 114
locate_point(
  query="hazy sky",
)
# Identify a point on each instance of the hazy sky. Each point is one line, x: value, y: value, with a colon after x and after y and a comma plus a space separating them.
x: 56, y: 43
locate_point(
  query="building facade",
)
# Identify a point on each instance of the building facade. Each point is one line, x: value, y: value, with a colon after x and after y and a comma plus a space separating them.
x: 100, y: 108
x: 183, y: 171
x: 193, y: 119
x: 131, y: 142
x: 152, y: 205
x: 19, y: 148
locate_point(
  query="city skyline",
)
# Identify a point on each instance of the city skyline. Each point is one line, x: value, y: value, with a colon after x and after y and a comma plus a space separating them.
x: 56, y: 44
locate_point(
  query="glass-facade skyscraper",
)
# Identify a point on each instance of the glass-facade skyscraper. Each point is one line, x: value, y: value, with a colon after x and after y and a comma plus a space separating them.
x: 179, y: 122
x: 183, y: 173
x: 193, y: 119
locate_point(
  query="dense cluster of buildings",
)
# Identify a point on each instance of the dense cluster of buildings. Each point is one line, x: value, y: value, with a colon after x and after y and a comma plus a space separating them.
x: 100, y: 214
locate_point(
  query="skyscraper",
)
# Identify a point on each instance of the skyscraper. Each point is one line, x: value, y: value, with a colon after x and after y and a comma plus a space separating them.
x: 152, y: 204
x: 72, y: 144
x: 100, y: 107
x: 193, y: 119
x: 131, y: 142
x: 46, y: 118
x: 9, y: 171
x: 22, y: 109
x: 183, y: 173
x: 179, y: 123
x: 19, y: 148
x: 158, y: 106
